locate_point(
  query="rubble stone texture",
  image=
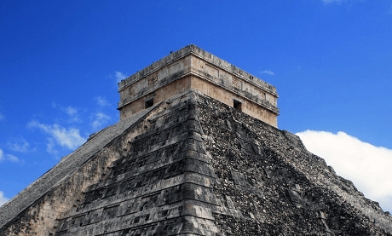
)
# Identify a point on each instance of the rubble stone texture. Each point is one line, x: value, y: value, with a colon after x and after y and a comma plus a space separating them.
x: 195, y: 166
x: 191, y: 165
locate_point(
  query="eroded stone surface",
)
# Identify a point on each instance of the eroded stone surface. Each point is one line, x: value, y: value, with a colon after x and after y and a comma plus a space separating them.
x: 194, y: 166
x: 277, y: 185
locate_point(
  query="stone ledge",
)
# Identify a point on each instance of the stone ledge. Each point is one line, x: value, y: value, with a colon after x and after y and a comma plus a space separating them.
x: 65, y: 168
x: 202, y: 54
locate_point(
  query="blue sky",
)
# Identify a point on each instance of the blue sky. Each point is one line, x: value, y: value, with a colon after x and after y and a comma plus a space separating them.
x: 330, y: 60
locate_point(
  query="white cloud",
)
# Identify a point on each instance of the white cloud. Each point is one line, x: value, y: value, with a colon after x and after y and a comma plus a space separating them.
x: 333, y: 1
x: 8, y: 157
x: 368, y: 166
x: 72, y: 112
x: 119, y: 76
x: 65, y: 137
x: 268, y: 72
x: 19, y: 145
x: 2, y: 198
x: 12, y: 158
x: 99, y: 120
x: 51, y: 147
x: 102, y: 102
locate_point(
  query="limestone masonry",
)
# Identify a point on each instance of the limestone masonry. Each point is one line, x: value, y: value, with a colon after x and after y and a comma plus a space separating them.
x: 192, y: 68
x: 185, y: 161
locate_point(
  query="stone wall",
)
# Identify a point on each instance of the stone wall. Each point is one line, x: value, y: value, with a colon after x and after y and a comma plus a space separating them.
x: 200, y: 53
x: 161, y: 185
x: 157, y: 94
x: 250, y: 104
x: 160, y: 80
x: 195, y: 166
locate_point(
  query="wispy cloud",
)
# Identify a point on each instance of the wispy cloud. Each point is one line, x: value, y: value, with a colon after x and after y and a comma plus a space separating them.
x: 51, y: 147
x: 65, y: 137
x: 19, y: 145
x: 268, y: 72
x: 368, y: 166
x: 7, y: 157
x: 2, y: 117
x: 2, y: 198
x: 72, y: 112
x: 69, y: 132
x: 119, y: 76
x: 12, y: 158
x: 333, y: 1
x: 99, y: 120
x: 102, y: 102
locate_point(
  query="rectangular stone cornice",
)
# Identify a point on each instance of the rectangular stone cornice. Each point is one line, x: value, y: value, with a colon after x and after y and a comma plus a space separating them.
x: 234, y: 70
x: 172, y: 57
x: 204, y: 55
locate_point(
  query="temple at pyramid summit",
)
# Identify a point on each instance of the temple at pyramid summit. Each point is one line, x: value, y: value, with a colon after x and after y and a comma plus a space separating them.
x: 197, y: 151
x: 193, y: 69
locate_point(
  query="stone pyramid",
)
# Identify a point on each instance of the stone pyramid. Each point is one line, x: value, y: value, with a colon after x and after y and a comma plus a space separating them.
x: 192, y: 165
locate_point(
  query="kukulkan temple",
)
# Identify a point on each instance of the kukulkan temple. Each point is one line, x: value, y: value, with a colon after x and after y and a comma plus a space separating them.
x: 197, y: 151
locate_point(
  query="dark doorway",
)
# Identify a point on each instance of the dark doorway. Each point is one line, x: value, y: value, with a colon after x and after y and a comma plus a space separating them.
x: 237, y: 105
x: 148, y: 103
